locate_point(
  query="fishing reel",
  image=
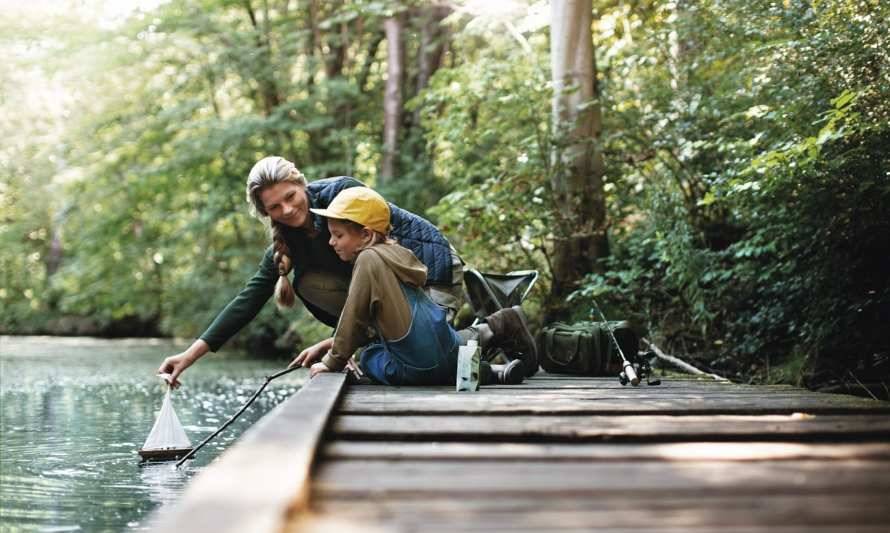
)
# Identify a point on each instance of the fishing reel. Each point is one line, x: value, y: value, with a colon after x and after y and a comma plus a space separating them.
x: 634, y: 371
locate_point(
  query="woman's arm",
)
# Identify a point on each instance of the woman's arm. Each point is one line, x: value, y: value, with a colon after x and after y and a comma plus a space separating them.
x: 245, y: 306
x: 175, y: 365
x: 241, y: 310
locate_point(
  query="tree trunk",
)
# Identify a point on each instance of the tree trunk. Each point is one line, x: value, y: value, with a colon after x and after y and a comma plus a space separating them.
x: 313, y: 45
x: 577, y: 179
x: 268, y: 88
x: 392, y: 99
x: 337, y: 57
x: 370, y: 56
x: 433, y: 38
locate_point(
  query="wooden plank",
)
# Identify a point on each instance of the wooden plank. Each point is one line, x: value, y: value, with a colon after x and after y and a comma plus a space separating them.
x: 262, y: 478
x: 577, y: 388
x: 596, y: 390
x: 659, y: 510
x: 593, y: 428
x: 487, y: 525
x: 357, y: 402
x: 666, y: 382
x: 361, y: 478
x: 589, y: 383
x: 598, y: 386
x: 516, y: 525
x: 682, y: 451
x: 599, y: 392
x: 570, y: 522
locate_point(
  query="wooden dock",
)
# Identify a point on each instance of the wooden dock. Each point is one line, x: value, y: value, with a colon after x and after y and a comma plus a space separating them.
x: 557, y: 453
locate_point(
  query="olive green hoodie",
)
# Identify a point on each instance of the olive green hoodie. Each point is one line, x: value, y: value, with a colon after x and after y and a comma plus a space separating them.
x: 376, y: 304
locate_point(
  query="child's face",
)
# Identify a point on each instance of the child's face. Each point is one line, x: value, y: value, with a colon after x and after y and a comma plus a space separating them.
x: 346, y: 239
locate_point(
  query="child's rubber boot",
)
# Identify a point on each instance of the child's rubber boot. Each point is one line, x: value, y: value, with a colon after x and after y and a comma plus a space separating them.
x: 513, y: 373
x: 509, y: 331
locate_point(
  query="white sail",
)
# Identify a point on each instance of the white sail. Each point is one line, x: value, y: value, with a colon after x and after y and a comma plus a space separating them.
x: 167, y: 432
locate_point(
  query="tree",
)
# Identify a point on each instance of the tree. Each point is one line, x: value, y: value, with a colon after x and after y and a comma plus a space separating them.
x: 392, y: 99
x: 577, y: 179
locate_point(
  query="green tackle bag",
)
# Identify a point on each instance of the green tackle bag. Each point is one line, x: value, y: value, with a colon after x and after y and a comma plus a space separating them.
x: 585, y: 348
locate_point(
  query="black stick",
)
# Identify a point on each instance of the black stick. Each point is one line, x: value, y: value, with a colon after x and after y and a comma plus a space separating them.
x: 229, y: 421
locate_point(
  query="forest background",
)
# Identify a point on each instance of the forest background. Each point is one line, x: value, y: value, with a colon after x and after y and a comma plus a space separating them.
x: 743, y: 152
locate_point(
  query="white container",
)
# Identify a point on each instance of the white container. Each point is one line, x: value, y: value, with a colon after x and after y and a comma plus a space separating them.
x: 468, y: 362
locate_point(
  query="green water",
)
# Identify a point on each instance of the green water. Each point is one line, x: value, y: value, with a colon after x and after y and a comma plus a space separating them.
x: 73, y: 412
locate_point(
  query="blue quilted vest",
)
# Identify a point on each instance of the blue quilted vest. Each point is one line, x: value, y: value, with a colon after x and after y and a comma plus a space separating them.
x: 411, y: 231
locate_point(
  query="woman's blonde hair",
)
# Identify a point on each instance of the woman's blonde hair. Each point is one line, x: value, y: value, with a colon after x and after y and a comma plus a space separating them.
x: 270, y: 171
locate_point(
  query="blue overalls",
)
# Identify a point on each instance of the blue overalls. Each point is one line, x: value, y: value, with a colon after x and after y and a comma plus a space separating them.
x: 426, y: 355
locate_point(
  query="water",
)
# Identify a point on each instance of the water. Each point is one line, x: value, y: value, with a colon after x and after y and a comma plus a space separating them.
x: 73, y: 412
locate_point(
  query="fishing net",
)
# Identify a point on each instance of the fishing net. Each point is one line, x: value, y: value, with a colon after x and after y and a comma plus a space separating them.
x: 167, y: 432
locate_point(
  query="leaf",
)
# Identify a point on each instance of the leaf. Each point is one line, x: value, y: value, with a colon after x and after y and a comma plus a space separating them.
x: 845, y: 98
x: 708, y: 199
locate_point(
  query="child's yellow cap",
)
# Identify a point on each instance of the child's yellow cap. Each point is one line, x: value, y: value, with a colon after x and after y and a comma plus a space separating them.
x: 361, y: 205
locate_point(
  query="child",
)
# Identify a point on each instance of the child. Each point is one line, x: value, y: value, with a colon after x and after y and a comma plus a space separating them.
x: 406, y: 336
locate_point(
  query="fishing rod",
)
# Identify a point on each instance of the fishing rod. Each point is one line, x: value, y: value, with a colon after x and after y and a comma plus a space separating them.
x: 243, y: 408
x: 631, y: 371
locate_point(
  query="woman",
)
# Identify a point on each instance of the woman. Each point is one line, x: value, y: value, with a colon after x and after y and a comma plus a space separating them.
x: 278, y: 191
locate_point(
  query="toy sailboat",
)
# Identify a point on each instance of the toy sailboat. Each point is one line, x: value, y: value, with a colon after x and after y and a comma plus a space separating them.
x: 167, y: 439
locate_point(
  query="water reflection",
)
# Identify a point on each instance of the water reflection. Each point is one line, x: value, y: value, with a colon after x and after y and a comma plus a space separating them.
x: 73, y: 412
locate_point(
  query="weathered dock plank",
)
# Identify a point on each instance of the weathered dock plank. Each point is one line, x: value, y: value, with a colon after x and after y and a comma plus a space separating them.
x: 351, y: 479
x: 661, y: 451
x: 592, y: 428
x: 355, y: 402
x: 857, y: 512
x: 582, y: 454
x: 544, y: 381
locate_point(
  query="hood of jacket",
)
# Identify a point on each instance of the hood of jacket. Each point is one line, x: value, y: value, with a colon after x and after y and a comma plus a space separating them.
x: 404, y: 264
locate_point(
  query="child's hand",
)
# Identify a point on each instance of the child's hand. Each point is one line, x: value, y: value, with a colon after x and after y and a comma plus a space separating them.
x: 318, y: 368
x: 312, y: 354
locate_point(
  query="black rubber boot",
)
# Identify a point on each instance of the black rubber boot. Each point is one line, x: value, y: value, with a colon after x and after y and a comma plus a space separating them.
x: 487, y: 375
x: 513, y: 373
x: 510, y: 332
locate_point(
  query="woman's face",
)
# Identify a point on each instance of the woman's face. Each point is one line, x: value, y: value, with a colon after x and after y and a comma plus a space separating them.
x: 287, y: 203
x: 346, y: 239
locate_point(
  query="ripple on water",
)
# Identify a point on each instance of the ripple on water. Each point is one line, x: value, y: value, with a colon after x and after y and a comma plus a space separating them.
x: 70, y: 473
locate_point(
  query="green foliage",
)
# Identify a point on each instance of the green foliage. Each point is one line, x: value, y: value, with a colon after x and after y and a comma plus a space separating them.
x: 174, y: 108
x: 487, y: 123
x: 746, y: 152
x: 754, y: 170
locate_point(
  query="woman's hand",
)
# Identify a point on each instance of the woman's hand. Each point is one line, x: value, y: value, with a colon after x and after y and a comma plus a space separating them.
x: 312, y: 354
x: 175, y: 365
x: 317, y: 369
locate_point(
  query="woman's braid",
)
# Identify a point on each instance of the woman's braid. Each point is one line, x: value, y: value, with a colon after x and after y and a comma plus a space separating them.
x: 284, y: 290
